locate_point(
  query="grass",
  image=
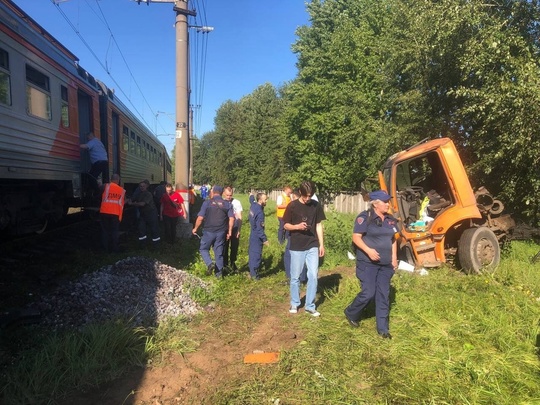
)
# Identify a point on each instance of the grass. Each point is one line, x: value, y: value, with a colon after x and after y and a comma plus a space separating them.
x: 457, y: 339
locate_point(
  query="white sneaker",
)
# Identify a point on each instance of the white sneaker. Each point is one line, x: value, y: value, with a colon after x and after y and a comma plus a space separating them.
x: 293, y: 310
x: 313, y: 312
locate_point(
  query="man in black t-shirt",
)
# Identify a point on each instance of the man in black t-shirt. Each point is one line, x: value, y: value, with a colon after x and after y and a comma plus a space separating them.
x: 303, y: 219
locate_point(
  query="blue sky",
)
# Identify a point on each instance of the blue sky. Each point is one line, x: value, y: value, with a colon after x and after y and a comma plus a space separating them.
x: 249, y: 46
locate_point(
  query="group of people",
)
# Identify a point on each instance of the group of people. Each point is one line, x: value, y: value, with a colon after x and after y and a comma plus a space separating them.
x: 373, y: 236
x: 299, y: 217
x: 171, y: 207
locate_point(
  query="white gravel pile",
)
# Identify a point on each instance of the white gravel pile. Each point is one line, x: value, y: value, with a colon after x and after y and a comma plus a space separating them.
x: 136, y: 288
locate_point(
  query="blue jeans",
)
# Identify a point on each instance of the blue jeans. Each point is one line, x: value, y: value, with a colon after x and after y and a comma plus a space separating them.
x: 299, y: 258
x: 287, y: 262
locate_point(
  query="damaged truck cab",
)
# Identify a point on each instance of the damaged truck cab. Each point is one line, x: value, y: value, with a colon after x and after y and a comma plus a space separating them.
x: 440, y: 218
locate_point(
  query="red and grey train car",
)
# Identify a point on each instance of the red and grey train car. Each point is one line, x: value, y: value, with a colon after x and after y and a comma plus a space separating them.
x: 48, y: 104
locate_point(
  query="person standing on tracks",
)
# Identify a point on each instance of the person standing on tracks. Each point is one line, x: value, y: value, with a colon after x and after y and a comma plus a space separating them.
x: 303, y: 219
x: 218, y: 217
x: 148, y: 214
x: 257, y: 237
x: 282, y: 201
x: 110, y: 212
x: 229, y: 260
x: 98, y: 157
x: 376, y: 261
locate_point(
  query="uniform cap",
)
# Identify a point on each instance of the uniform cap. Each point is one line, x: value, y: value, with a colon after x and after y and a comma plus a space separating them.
x: 379, y: 195
x: 217, y: 189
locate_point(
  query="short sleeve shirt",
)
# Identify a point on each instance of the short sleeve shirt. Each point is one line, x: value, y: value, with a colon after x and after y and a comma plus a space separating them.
x: 311, y: 213
x: 377, y: 233
x: 237, y: 209
x: 216, y: 213
x: 96, y: 150
x: 167, y: 204
x: 148, y: 199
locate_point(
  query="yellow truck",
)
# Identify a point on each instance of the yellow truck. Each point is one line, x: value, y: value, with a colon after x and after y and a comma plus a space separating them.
x: 441, y: 218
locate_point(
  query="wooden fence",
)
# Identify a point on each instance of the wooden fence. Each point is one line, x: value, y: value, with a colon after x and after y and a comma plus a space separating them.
x: 346, y: 203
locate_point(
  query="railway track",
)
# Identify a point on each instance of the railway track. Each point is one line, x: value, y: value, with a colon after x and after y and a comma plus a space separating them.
x: 35, y: 262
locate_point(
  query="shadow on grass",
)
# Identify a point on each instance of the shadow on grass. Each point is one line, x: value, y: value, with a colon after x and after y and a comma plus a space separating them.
x: 327, y: 283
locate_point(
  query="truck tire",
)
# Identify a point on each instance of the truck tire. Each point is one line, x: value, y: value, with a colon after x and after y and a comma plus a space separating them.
x: 478, y: 250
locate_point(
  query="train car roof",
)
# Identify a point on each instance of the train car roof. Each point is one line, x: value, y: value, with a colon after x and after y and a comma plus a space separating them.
x: 19, y: 22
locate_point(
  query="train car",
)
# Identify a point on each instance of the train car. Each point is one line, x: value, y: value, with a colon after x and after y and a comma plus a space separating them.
x: 133, y: 148
x: 48, y: 105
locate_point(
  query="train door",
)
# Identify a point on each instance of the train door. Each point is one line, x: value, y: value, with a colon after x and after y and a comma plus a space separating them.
x: 84, y: 102
x: 115, y: 143
x: 90, y: 195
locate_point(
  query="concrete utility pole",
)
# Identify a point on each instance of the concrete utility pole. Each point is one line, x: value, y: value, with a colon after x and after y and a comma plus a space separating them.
x: 181, y: 158
x: 182, y: 148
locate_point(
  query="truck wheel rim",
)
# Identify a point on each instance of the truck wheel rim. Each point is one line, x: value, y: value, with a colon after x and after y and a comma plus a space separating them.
x: 485, y: 251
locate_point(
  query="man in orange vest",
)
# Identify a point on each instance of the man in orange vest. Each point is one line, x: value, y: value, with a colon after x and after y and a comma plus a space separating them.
x: 111, y: 210
x: 282, y: 201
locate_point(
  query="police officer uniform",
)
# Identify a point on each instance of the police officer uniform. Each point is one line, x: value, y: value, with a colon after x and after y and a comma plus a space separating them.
x: 218, y: 218
x: 374, y: 276
x: 257, y: 237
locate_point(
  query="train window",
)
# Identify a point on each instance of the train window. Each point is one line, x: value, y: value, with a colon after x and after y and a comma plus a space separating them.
x: 143, y: 149
x: 132, y: 148
x: 139, y: 151
x: 125, y: 138
x: 5, y: 80
x: 148, y: 152
x: 37, y: 93
x: 65, y: 106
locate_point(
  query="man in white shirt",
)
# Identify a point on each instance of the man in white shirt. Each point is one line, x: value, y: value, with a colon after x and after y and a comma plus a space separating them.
x: 234, y: 241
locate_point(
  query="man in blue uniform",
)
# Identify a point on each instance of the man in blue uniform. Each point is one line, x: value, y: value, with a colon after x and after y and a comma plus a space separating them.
x: 376, y: 261
x: 257, y: 237
x: 218, y: 217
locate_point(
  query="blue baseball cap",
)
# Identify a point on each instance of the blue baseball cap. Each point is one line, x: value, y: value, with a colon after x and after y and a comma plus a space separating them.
x: 379, y: 195
x: 217, y: 189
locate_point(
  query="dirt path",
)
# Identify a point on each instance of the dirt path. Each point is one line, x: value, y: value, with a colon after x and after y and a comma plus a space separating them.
x: 225, y: 337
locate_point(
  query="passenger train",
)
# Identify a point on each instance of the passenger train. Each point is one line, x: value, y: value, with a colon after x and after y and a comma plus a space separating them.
x: 48, y: 105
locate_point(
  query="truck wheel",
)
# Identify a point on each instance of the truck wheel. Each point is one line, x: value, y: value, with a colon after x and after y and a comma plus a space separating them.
x: 478, y: 249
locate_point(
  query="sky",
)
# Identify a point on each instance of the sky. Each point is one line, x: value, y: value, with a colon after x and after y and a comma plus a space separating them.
x: 131, y: 48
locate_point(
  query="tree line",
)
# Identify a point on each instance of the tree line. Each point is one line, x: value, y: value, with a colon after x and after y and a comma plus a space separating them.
x: 375, y: 77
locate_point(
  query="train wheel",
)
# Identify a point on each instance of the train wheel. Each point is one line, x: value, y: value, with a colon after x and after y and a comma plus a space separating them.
x: 478, y: 250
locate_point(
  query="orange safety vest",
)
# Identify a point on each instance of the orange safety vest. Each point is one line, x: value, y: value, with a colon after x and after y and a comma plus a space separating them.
x: 112, y: 200
x: 284, y: 203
